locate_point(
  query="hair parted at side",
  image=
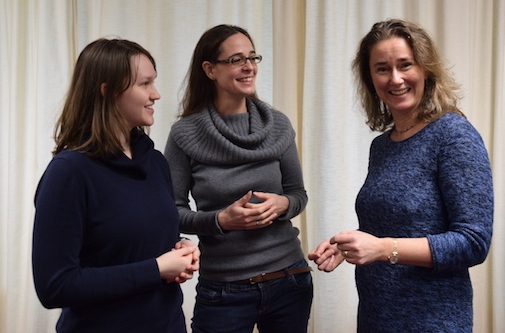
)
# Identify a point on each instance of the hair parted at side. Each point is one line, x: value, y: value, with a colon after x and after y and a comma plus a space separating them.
x: 90, y: 121
x: 200, y: 90
x: 440, y: 92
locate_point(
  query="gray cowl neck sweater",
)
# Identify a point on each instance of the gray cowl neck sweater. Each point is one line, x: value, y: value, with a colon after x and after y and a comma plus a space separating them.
x: 217, y: 160
x: 209, y: 138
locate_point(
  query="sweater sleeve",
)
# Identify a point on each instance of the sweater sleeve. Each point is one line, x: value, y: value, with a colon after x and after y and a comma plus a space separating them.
x: 466, y: 185
x: 292, y: 183
x: 190, y: 222
x: 58, y: 236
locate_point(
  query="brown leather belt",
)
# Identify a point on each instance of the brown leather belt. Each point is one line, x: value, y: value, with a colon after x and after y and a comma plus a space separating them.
x: 274, y: 275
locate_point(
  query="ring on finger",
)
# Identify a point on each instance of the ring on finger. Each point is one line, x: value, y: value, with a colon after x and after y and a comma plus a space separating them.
x: 257, y: 222
x: 345, y: 253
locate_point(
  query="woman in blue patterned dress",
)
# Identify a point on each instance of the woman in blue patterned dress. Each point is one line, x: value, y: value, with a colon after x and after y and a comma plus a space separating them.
x: 426, y: 208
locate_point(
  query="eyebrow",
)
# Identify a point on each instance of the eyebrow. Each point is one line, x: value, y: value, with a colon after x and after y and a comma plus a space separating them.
x: 147, y: 77
x: 382, y: 63
x: 242, y: 53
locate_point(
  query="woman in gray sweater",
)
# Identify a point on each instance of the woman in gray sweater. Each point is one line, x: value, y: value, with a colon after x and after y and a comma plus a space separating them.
x: 237, y: 158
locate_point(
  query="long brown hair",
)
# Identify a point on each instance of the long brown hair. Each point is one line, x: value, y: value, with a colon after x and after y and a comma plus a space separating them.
x: 90, y: 121
x: 440, y: 91
x: 200, y: 90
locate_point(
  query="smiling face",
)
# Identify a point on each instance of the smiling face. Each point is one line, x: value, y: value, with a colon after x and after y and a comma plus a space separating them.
x: 136, y: 103
x: 233, y: 82
x: 397, y: 78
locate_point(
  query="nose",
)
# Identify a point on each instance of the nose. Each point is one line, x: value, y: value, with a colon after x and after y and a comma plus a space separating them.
x: 248, y: 64
x: 396, y: 77
x: 155, y: 95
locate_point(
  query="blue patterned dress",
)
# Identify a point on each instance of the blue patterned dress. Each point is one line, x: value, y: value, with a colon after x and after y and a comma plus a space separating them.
x: 436, y: 184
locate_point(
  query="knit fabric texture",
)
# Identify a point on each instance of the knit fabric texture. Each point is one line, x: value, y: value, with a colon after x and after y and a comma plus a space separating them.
x: 436, y: 184
x: 99, y: 226
x: 217, y: 160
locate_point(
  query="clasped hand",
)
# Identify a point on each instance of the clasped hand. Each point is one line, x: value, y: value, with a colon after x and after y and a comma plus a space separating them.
x: 244, y: 215
x: 179, y: 264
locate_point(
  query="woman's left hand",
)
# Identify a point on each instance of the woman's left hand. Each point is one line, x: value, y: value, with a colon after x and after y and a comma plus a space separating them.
x: 279, y: 202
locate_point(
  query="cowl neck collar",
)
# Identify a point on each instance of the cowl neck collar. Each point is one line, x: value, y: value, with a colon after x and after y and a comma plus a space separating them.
x: 136, y: 167
x: 260, y: 134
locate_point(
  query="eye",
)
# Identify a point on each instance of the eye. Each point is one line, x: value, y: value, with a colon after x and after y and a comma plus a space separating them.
x: 236, y: 60
x: 406, y: 65
x: 381, y: 70
x: 255, y: 58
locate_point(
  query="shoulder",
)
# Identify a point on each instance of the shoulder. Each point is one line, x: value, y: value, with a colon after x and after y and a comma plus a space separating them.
x: 190, y: 128
x: 280, y: 117
x: 453, y: 123
x: 71, y: 159
x: 67, y: 169
x: 453, y: 128
x: 192, y: 121
x: 274, y: 119
x: 69, y: 164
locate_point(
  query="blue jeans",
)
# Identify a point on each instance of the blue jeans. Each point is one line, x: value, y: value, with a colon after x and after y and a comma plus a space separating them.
x: 278, y: 305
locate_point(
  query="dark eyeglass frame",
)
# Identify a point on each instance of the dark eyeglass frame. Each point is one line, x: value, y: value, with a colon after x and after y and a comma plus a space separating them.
x: 254, y: 59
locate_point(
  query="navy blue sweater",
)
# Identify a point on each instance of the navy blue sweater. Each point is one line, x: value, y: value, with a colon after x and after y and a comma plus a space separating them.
x: 436, y: 184
x: 99, y: 226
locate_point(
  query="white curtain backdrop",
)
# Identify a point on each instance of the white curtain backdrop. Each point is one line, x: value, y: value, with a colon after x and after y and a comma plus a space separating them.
x: 307, y: 47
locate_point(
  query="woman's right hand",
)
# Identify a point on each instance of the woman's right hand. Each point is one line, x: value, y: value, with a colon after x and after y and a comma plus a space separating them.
x: 242, y: 215
x: 171, y: 264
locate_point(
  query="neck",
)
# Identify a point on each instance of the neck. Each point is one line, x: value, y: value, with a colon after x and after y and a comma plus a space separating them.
x: 406, y: 129
x: 126, y: 147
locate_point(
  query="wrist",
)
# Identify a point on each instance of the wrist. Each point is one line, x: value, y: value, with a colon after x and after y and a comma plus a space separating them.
x: 219, y: 219
x: 393, y: 252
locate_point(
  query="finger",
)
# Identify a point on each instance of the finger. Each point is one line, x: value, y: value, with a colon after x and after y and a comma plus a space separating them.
x: 265, y: 215
x: 184, y: 251
x: 245, y: 199
x: 322, y: 258
x: 327, y: 253
x: 326, y: 265
x: 262, y: 195
x: 179, y: 280
x: 334, y: 240
x: 332, y: 263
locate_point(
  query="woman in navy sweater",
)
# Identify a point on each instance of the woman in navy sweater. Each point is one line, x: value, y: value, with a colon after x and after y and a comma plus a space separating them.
x: 105, y: 239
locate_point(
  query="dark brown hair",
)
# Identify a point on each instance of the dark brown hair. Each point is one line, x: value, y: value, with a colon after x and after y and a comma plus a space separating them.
x: 90, y: 120
x: 200, y: 90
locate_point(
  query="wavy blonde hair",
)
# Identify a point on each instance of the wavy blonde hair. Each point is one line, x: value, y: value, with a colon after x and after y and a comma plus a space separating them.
x: 440, y: 90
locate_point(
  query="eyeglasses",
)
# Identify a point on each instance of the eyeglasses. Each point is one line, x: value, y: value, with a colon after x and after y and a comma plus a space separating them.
x: 241, y: 60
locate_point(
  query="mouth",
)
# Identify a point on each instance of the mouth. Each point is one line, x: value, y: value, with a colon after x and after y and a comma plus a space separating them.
x: 399, y: 92
x: 245, y: 79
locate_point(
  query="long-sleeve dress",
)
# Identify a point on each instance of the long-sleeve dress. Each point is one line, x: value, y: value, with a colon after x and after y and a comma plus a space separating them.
x: 436, y: 184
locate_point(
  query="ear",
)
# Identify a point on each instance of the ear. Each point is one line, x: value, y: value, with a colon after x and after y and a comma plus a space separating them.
x: 208, y: 68
x: 102, y: 89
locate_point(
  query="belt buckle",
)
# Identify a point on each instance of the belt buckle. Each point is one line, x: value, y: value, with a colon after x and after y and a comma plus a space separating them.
x: 252, y: 280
